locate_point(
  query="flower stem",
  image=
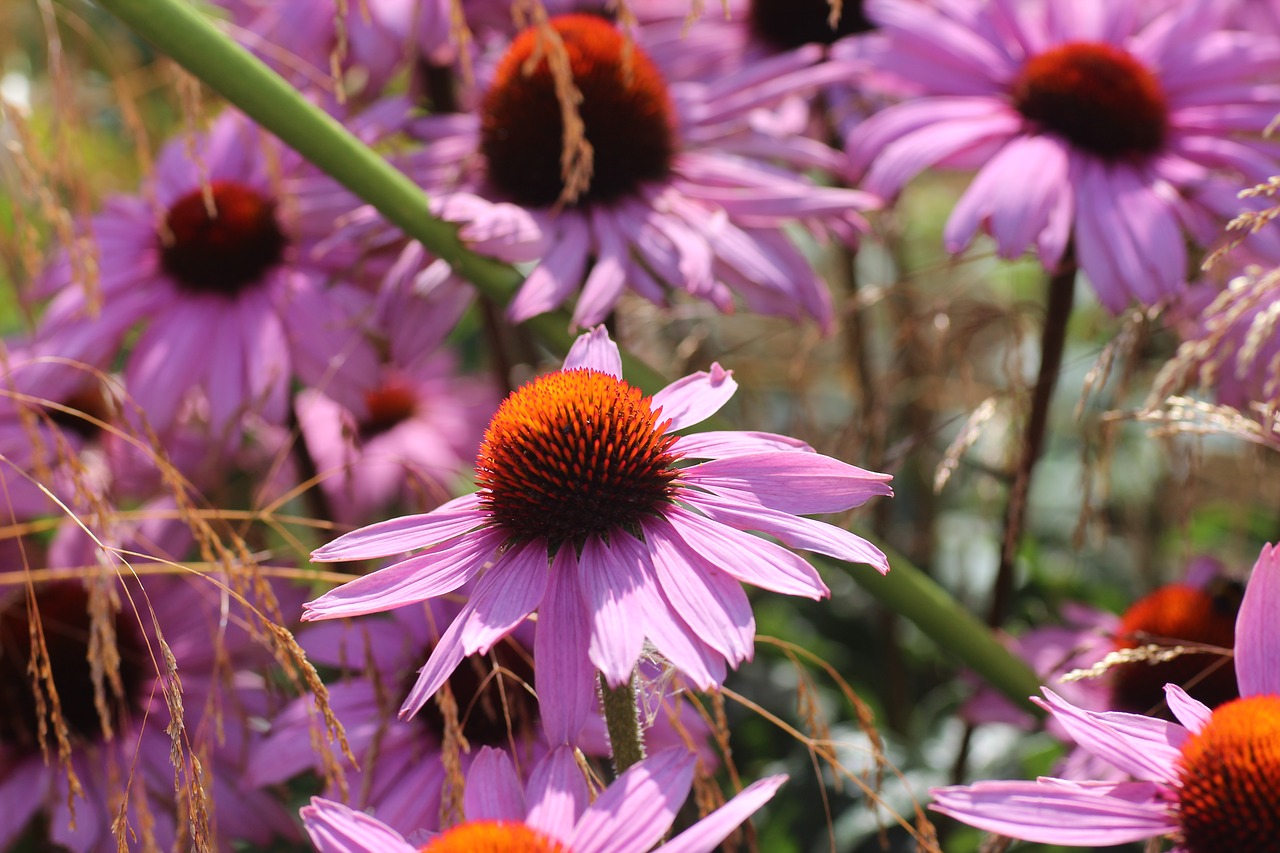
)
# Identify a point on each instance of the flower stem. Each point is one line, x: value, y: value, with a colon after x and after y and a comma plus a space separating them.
x: 1052, y: 344
x: 911, y: 594
x: 622, y: 720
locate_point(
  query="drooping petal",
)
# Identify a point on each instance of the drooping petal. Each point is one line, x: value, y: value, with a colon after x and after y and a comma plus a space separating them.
x: 1144, y: 747
x: 611, y: 589
x: 1191, y: 712
x: 493, y: 789
x: 1050, y: 814
x: 696, y: 397
x: 798, y: 483
x: 399, y: 535
x: 335, y: 828
x: 1257, y: 641
x: 635, y: 811
x: 557, y: 794
x: 566, y: 681
x: 439, y: 571
x: 705, y: 835
x: 596, y: 350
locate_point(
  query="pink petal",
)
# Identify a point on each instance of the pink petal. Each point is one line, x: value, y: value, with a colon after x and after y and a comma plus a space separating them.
x: 716, y: 443
x: 612, y: 586
x: 557, y: 794
x: 440, y: 570
x: 696, y: 397
x: 557, y: 276
x: 398, y: 535
x: 335, y: 828
x: 608, y: 276
x: 596, y: 350
x: 493, y: 790
x: 635, y: 811
x: 797, y: 483
x: 566, y: 681
x: 705, y: 835
x: 1144, y: 747
x: 1192, y: 713
x: 1053, y: 815
x: 1257, y: 641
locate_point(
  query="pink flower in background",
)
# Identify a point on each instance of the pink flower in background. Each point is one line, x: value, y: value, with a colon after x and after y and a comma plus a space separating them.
x: 214, y: 261
x: 682, y: 193
x: 402, y: 768
x: 555, y: 814
x: 1088, y: 129
x: 1210, y: 780
x: 123, y: 761
x: 644, y: 539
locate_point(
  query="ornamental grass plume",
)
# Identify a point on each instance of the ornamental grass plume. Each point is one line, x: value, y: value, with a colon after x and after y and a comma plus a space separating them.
x: 1209, y: 781
x: 553, y: 814
x: 642, y: 529
x: 1093, y: 128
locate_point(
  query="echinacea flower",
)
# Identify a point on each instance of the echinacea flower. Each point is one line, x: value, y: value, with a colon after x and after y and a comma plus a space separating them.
x: 90, y: 752
x: 676, y: 192
x: 1209, y: 780
x: 642, y: 529
x: 1091, y: 126
x: 553, y: 814
x: 404, y: 766
x: 214, y: 263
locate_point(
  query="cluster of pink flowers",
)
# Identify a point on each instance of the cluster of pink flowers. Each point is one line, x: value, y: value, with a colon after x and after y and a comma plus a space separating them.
x: 242, y: 334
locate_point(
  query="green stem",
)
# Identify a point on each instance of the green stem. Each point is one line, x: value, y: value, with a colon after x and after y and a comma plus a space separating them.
x: 622, y: 720
x: 911, y: 594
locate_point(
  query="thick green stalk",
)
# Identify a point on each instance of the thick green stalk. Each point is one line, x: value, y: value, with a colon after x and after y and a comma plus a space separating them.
x: 622, y: 720
x: 913, y: 595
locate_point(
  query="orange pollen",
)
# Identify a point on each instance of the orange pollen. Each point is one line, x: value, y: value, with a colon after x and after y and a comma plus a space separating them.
x: 626, y: 112
x: 222, y: 243
x: 387, y: 406
x: 493, y: 836
x: 575, y: 453
x: 1229, y: 775
x: 1179, y: 615
x: 1096, y: 96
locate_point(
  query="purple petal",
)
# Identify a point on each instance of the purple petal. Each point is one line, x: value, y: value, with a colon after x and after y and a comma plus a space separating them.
x: 596, y: 350
x: 611, y: 588
x: 558, y: 275
x: 557, y: 794
x: 1257, y: 641
x: 1052, y: 814
x: 1144, y: 747
x: 406, y: 533
x: 705, y: 835
x: 566, y: 680
x: 635, y: 811
x: 748, y: 558
x: 440, y: 570
x: 797, y: 483
x: 335, y: 828
x: 716, y: 443
x: 696, y: 397
x: 1192, y: 713
x: 493, y: 789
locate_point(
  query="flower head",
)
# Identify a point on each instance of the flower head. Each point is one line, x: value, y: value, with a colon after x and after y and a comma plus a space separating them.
x: 552, y: 815
x: 1209, y: 780
x: 1091, y: 126
x: 642, y: 530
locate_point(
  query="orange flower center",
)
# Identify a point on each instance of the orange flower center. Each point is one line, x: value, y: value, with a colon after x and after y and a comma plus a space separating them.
x: 387, y: 406
x: 493, y: 836
x: 1179, y: 615
x: 574, y: 453
x: 223, y: 243
x: 61, y: 629
x: 626, y: 113
x: 1229, y: 797
x: 787, y: 24
x: 1097, y: 97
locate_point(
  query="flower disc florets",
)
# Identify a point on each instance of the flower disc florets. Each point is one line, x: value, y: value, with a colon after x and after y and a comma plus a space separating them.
x: 1096, y: 96
x: 222, y: 242
x: 493, y: 836
x: 575, y: 453
x: 625, y: 109
x: 1229, y: 796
